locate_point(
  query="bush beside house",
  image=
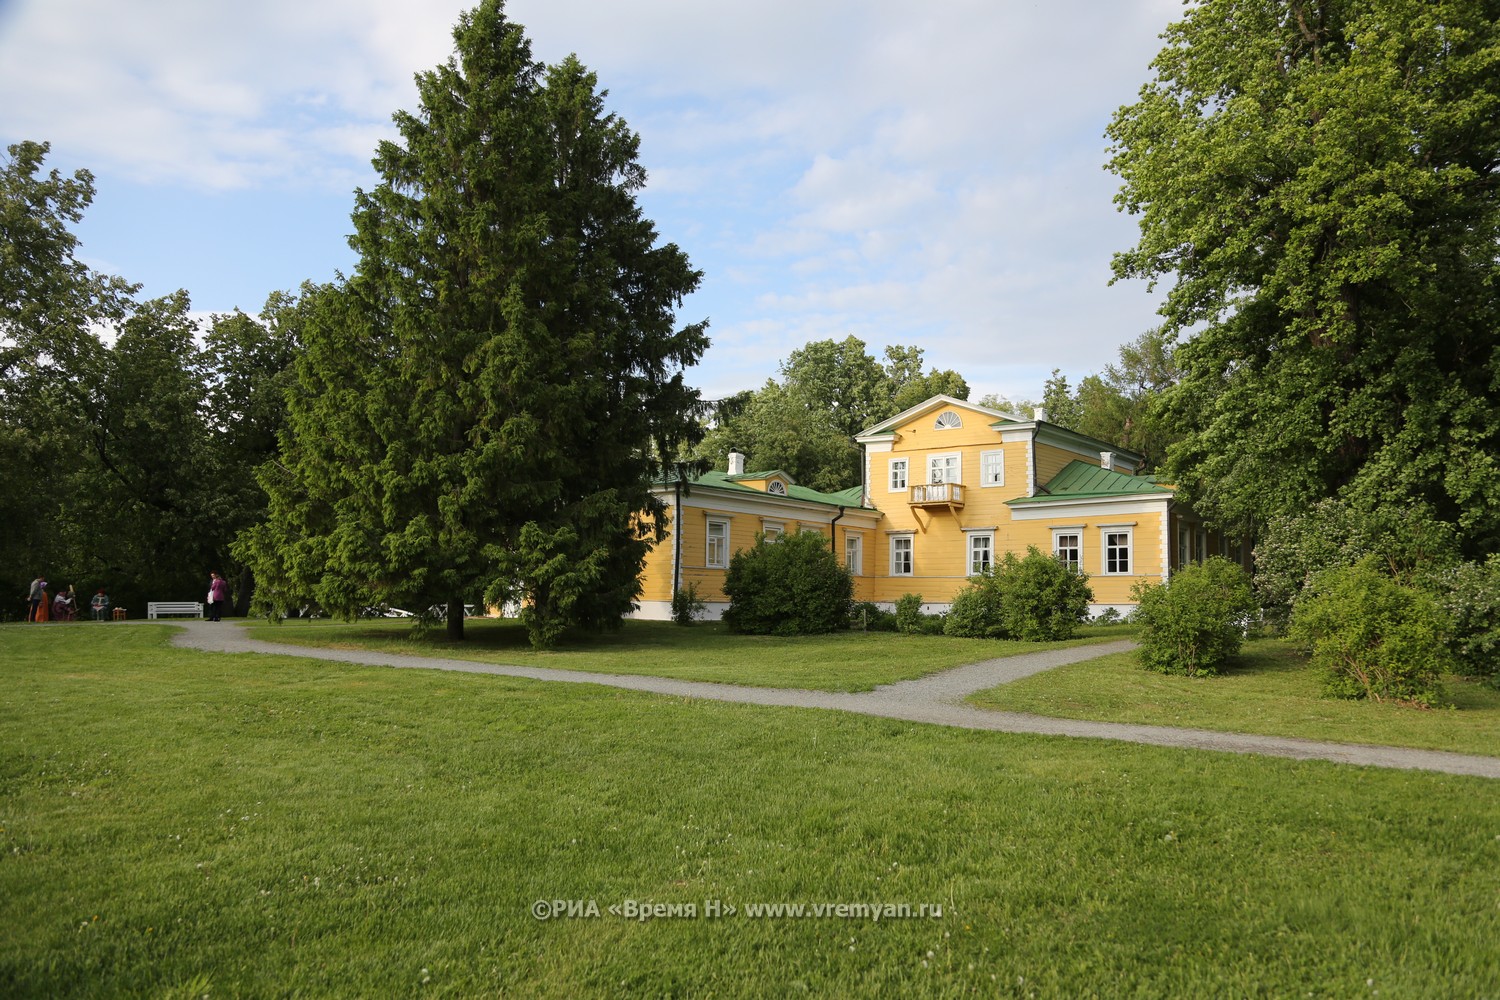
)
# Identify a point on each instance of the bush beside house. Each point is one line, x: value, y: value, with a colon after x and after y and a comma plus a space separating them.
x: 793, y: 586
x: 1196, y: 621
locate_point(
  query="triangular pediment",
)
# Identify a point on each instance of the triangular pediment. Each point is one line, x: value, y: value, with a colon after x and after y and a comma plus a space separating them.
x: 936, y: 407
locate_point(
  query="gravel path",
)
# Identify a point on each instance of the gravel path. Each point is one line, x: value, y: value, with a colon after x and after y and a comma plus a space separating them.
x: 936, y: 699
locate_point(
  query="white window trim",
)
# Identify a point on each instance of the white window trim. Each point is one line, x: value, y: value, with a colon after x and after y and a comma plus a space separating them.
x: 708, y: 561
x: 856, y: 544
x: 904, y: 464
x: 1118, y: 529
x: 958, y: 465
x: 1076, y: 533
x: 911, y: 551
x: 984, y: 479
x: 938, y: 424
x: 972, y: 536
x: 776, y: 488
x: 772, y: 531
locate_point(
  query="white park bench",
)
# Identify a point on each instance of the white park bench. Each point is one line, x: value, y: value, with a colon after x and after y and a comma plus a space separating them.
x: 155, y: 609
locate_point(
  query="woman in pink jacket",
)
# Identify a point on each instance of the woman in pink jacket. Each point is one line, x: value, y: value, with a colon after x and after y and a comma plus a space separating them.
x: 218, y: 593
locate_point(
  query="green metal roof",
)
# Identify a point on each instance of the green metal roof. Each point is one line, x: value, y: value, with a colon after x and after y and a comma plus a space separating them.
x: 1081, y: 481
x: 852, y: 497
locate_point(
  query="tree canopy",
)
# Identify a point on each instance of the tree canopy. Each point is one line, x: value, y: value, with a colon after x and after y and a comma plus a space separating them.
x: 829, y: 391
x: 479, y: 408
x: 1317, y: 181
x: 123, y: 447
x: 1121, y: 405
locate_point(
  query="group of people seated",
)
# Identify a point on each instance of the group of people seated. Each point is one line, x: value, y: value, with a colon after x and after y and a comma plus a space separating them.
x: 64, y: 606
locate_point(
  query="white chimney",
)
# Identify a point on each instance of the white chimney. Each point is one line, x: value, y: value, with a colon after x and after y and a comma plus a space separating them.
x: 1106, y: 460
x: 736, y: 464
x: 1039, y: 414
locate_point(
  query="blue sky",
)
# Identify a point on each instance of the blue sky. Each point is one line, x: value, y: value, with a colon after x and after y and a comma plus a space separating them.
x: 926, y: 174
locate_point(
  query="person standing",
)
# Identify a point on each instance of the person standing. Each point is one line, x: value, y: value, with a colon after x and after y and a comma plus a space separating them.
x: 100, y: 603
x: 218, y: 593
x: 36, y: 598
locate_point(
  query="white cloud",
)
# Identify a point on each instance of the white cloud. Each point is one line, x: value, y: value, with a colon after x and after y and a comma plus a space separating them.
x: 911, y: 173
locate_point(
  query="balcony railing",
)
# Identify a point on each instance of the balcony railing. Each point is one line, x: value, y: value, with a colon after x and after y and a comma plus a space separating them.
x: 938, y: 495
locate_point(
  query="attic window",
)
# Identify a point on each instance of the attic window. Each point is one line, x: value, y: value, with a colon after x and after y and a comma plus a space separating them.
x: 777, y: 487
x: 947, y: 419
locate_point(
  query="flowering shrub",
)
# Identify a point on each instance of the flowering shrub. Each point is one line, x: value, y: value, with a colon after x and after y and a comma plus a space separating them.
x: 1470, y: 594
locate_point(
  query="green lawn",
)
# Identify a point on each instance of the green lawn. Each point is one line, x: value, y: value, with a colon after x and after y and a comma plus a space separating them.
x: 1269, y: 689
x: 845, y: 661
x: 177, y: 824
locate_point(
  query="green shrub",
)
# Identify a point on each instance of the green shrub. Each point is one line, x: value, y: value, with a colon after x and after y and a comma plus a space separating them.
x: 1041, y: 600
x: 794, y: 586
x: 909, y: 614
x: 1470, y: 594
x: 687, y: 605
x: 975, y: 613
x: 868, y: 617
x: 1196, y: 621
x: 1372, y: 637
x: 1409, y: 540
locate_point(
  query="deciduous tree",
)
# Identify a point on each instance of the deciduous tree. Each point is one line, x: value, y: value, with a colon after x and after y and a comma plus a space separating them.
x: 1317, y: 180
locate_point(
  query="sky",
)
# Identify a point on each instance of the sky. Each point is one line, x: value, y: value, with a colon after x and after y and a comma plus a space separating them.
x: 906, y: 173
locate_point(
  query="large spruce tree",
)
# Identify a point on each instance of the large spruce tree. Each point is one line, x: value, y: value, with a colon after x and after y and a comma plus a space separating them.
x: 1320, y: 181
x: 479, y: 407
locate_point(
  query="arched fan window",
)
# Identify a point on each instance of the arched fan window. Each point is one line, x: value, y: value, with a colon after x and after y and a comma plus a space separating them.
x: 777, y: 487
x: 947, y: 419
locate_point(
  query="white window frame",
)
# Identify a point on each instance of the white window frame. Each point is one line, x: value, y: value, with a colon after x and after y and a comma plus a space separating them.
x: 903, y: 544
x: 992, y: 468
x: 854, y: 554
x: 1058, y: 534
x: 708, y: 545
x: 899, y: 475
x: 772, y: 531
x: 948, y: 420
x: 1105, y: 547
x: 933, y: 460
x: 776, y: 488
x: 988, y: 538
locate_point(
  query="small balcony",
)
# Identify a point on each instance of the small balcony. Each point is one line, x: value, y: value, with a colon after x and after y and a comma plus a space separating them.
x: 950, y: 495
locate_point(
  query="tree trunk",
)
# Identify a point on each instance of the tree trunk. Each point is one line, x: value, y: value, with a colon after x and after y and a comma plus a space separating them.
x: 244, y: 593
x: 455, y: 619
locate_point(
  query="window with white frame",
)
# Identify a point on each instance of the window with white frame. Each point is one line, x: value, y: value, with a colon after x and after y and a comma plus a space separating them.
x: 1067, y: 547
x: 981, y: 552
x: 772, y: 531
x: 776, y: 488
x: 898, y: 475
x: 854, y: 554
x: 717, y: 552
x: 945, y: 468
x: 1116, y: 548
x: 992, y: 468
x: 947, y: 420
x: 901, y: 555
x: 1183, y: 545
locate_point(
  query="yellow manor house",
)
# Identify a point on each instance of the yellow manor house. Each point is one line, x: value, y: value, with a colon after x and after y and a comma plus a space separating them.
x: 949, y: 487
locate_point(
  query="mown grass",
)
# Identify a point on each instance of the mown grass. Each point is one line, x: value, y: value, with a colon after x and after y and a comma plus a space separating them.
x: 844, y: 661
x: 1268, y: 689
x: 176, y: 823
